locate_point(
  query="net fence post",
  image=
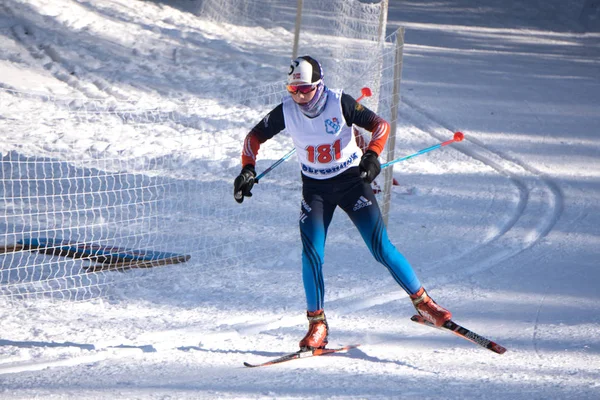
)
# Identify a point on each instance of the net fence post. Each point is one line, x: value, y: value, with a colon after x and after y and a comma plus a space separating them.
x: 383, y: 20
x: 388, y: 173
x: 297, y: 29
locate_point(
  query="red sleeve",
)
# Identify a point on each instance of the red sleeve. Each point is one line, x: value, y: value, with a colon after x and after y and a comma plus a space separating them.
x: 250, y: 149
x: 356, y: 113
x: 379, y: 136
x: 269, y: 126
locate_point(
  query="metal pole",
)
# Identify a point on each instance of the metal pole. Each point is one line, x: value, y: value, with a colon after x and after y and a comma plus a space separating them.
x: 382, y: 21
x: 377, y: 72
x: 388, y: 175
x: 297, y: 29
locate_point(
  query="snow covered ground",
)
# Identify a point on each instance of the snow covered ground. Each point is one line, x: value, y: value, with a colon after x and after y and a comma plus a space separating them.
x: 503, y: 229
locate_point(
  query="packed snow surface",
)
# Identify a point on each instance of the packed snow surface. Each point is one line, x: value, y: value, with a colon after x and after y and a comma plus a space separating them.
x: 503, y: 229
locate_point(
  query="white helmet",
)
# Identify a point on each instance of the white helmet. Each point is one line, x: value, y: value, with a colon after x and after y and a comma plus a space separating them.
x: 305, y: 70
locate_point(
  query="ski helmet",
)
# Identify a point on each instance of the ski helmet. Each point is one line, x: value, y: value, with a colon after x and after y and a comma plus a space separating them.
x: 305, y: 70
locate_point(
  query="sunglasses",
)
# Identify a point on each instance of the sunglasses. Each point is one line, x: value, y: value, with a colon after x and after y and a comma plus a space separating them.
x: 304, y: 89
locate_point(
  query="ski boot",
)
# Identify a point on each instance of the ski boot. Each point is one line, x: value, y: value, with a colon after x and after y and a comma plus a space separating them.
x: 318, y: 330
x: 429, y: 309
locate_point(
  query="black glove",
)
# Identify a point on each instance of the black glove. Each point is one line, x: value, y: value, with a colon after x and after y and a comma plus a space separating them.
x: 369, y: 166
x: 243, y: 183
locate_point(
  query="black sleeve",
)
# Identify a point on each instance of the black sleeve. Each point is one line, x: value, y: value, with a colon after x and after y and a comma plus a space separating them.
x: 270, y: 125
x: 357, y: 114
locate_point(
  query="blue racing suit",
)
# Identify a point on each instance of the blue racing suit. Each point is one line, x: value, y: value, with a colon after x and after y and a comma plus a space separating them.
x: 328, y: 159
x: 348, y: 190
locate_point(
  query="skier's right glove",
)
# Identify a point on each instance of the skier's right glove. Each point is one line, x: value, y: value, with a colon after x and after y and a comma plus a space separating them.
x: 243, y: 183
x: 369, y: 166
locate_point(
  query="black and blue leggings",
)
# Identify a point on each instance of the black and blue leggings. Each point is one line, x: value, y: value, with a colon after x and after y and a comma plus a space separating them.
x: 356, y: 198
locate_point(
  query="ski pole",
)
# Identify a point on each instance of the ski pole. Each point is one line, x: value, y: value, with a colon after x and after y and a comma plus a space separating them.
x: 275, y: 164
x: 365, y: 92
x: 458, y: 136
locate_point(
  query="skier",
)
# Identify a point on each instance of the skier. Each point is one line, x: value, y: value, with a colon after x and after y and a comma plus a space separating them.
x: 334, y: 173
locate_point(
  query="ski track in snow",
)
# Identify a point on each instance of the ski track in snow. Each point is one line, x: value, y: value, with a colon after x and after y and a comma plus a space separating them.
x: 83, y: 358
x: 538, y: 209
x: 100, y: 94
x: 536, y: 328
x: 51, y: 60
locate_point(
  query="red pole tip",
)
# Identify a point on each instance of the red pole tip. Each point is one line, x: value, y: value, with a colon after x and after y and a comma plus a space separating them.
x: 366, y: 92
x: 458, y: 136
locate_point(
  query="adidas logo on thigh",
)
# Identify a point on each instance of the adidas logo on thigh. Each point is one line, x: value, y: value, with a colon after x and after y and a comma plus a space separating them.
x: 362, y: 202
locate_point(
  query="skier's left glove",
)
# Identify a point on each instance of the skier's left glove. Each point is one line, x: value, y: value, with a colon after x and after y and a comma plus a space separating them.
x: 244, y: 183
x: 369, y: 166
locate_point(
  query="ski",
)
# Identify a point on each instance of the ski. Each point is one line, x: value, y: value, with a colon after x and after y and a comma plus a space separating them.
x: 302, y: 354
x: 463, y: 333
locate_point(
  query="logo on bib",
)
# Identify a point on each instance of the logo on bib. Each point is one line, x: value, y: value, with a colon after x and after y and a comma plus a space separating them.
x: 332, y: 126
